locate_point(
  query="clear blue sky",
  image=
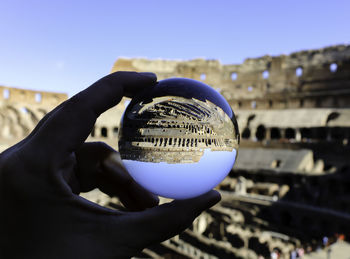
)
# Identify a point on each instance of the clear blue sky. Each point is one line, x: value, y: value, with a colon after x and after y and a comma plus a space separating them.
x: 65, y: 45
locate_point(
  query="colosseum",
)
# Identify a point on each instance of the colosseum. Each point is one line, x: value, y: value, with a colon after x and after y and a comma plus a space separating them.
x: 289, y: 188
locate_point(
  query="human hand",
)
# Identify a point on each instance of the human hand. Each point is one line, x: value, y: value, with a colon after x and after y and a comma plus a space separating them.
x: 41, y: 215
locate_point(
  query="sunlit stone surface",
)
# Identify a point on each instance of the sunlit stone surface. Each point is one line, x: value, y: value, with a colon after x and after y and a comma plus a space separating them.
x: 179, y: 139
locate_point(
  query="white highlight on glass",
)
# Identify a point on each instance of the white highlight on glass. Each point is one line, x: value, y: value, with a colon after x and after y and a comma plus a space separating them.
x: 186, y: 180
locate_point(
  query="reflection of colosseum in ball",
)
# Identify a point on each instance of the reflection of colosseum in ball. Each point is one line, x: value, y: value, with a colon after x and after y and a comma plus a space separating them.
x: 174, y: 129
x: 179, y: 139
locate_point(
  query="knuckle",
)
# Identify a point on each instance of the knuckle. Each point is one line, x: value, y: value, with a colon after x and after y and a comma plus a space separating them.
x: 103, y: 148
x: 102, y: 145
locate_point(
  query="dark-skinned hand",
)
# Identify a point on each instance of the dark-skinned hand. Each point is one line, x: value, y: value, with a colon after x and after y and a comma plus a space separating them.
x: 41, y: 213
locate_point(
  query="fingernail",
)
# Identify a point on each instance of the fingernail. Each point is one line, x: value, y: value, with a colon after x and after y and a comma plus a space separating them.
x: 149, y: 75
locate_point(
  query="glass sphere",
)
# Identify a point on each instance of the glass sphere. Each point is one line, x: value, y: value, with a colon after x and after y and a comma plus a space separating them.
x: 179, y: 139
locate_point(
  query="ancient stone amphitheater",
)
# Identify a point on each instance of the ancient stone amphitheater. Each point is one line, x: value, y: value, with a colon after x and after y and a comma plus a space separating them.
x: 291, y: 183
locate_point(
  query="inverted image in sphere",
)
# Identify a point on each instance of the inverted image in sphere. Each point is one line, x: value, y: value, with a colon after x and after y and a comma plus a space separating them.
x: 179, y: 139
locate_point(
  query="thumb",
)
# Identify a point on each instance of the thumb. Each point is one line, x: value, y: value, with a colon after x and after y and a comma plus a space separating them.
x: 162, y: 222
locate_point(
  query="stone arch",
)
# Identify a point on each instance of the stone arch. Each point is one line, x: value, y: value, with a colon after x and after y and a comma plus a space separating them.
x: 275, y: 133
x: 42, y: 111
x: 270, y: 103
x: 246, y: 133
x: 290, y: 133
x: 115, y: 131
x: 260, y: 132
x: 260, y: 248
x: 104, y: 132
x: 306, y: 133
x: 235, y: 240
x: 26, y: 118
x: 33, y: 115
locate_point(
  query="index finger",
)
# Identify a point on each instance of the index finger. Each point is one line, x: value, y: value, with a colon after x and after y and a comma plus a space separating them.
x: 70, y: 125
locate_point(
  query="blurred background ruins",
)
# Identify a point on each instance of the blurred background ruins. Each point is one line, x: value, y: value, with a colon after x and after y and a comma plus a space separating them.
x: 284, y: 68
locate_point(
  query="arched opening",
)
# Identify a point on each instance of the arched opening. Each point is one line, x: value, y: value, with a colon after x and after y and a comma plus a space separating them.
x: 261, y: 132
x: 104, y: 132
x: 253, y: 104
x: 259, y: 248
x: 234, y: 76
x: 270, y: 103
x: 115, y: 132
x: 246, y: 133
x: 299, y: 71
x: 333, y: 67
x: 24, y: 110
x: 305, y: 133
x: 235, y: 240
x: 290, y: 133
x: 6, y: 93
x: 275, y: 133
x: 265, y: 74
x: 38, y: 97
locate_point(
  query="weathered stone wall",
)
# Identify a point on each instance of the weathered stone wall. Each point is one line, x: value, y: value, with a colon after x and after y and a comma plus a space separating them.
x: 21, y: 110
x: 30, y: 97
x: 313, y: 78
x: 261, y: 83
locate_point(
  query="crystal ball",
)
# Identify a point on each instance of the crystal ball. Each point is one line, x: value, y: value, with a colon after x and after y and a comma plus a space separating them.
x: 178, y: 139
